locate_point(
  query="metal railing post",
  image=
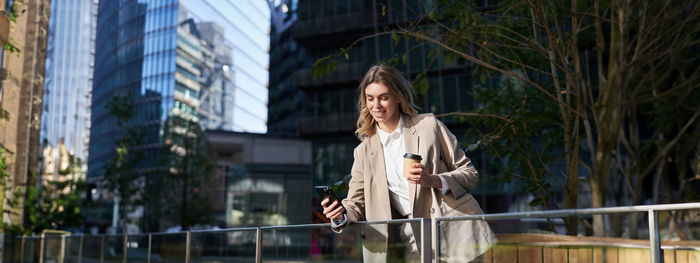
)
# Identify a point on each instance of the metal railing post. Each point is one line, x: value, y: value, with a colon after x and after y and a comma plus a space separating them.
x: 148, y: 256
x: 436, y: 239
x: 80, y: 250
x: 21, y: 250
x: 654, y: 242
x: 126, y: 247
x: 188, y: 243
x: 258, y: 245
x: 42, y: 242
x: 426, y: 240
x: 102, y: 249
x: 62, y: 253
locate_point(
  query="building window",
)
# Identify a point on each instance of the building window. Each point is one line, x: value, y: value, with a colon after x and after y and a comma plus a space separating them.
x: 8, y: 4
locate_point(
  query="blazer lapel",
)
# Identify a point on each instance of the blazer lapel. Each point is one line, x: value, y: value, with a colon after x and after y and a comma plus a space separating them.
x: 376, y: 160
x: 411, y: 142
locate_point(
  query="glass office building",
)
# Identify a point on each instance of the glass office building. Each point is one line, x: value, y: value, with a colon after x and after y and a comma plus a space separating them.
x: 204, y: 61
x: 286, y: 107
x: 68, y: 84
x: 244, y: 25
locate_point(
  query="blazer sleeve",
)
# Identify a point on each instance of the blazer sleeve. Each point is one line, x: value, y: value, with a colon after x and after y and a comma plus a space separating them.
x: 461, y: 177
x: 354, y: 203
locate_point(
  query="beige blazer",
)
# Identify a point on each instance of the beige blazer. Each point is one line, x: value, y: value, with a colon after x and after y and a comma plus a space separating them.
x: 368, y: 194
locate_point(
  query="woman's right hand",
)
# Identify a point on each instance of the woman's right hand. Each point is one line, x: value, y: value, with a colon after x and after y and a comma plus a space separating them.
x: 332, y: 211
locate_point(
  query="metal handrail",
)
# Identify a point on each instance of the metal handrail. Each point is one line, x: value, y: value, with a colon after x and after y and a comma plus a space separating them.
x: 575, y: 212
x: 426, y: 224
x: 652, y: 210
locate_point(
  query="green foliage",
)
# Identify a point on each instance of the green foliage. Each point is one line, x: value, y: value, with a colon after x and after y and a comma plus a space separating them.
x: 14, y: 12
x: 4, y: 176
x: 12, y: 44
x: 4, y: 181
x: 525, y: 143
x: 121, y: 173
x: 121, y: 106
x: 4, y: 114
x: 11, y: 204
x: 56, y: 205
x: 324, y: 66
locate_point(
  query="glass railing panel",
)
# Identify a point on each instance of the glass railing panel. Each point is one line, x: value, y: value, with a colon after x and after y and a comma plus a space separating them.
x: 311, y: 244
x: 168, y: 247
x: 113, y: 250
x: 71, y: 249
x: 12, y: 248
x: 357, y: 243
x: 32, y: 247
x: 52, y: 248
x: 223, y: 246
x: 92, y: 249
x: 137, y: 248
x: 679, y: 234
x: 625, y: 236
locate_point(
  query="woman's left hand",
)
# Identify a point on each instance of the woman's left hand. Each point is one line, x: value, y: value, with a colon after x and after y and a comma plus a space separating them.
x: 416, y: 176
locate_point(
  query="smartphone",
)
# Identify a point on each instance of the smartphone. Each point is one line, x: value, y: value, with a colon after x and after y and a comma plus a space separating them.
x: 324, y: 191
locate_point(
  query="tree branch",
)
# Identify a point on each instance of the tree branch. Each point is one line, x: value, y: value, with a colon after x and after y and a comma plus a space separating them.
x: 664, y: 151
x: 472, y: 115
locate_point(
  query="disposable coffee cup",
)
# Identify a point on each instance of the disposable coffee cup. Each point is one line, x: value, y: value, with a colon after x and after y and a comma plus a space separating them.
x: 408, y: 161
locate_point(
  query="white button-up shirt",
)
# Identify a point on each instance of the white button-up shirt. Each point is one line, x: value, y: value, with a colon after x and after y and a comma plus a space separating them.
x: 394, y: 149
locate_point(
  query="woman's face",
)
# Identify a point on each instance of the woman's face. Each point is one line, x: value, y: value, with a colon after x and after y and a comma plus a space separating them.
x: 383, y: 105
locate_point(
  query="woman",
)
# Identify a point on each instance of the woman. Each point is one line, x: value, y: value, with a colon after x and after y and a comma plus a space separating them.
x: 389, y: 126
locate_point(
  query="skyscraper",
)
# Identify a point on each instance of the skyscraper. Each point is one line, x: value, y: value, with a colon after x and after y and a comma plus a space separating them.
x: 245, y: 26
x: 68, y: 84
x: 173, y: 59
x: 286, y: 107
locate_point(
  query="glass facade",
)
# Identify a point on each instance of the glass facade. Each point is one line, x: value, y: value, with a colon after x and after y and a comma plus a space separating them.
x: 68, y: 83
x: 197, y: 60
x: 244, y: 25
x: 135, y: 54
x: 286, y: 105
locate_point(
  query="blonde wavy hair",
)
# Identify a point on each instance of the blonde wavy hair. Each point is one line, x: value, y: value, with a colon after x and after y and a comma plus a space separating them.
x: 399, y: 87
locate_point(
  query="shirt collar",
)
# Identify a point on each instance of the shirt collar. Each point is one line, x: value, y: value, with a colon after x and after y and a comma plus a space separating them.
x: 385, y: 136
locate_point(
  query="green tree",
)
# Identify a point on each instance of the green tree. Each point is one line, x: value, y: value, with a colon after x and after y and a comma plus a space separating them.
x: 122, y: 174
x: 183, y: 188
x: 56, y: 204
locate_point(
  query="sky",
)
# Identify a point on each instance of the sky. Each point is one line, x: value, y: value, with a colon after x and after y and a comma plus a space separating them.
x: 246, y: 25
